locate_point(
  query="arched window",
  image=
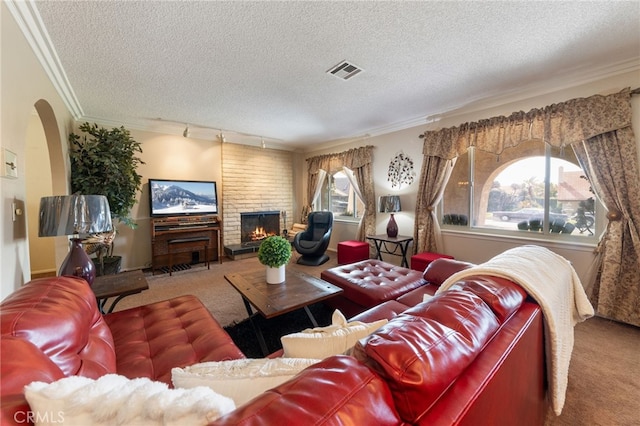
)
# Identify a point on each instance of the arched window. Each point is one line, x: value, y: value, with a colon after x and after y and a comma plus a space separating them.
x: 530, y: 188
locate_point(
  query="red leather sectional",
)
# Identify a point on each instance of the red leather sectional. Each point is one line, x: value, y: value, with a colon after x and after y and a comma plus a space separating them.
x: 472, y: 355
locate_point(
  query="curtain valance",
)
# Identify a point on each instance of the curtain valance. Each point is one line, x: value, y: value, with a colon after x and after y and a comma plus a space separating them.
x: 353, y: 159
x: 559, y: 125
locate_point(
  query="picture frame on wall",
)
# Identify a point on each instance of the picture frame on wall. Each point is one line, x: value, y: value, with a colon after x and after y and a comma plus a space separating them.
x: 9, y: 164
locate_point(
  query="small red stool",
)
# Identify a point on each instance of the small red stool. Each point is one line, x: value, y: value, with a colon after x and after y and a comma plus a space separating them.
x: 352, y: 251
x: 420, y: 261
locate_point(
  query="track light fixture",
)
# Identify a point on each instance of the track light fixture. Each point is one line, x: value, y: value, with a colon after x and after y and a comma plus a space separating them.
x: 262, y: 143
x: 186, y: 132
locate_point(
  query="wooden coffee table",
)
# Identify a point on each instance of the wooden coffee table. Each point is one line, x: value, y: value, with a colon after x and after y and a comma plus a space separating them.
x: 271, y: 300
x: 118, y: 286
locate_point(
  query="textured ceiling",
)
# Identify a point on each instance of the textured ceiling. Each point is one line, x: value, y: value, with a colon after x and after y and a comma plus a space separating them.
x: 260, y: 67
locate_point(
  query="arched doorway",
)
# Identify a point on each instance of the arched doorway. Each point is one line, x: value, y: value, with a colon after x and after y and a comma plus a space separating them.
x: 45, y: 175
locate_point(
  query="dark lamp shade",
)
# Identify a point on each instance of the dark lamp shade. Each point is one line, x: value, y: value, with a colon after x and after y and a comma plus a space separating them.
x: 389, y: 204
x: 73, y: 215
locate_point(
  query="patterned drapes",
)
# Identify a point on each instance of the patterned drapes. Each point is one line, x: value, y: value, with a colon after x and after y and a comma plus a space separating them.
x: 559, y: 125
x: 598, y: 128
x: 359, y: 160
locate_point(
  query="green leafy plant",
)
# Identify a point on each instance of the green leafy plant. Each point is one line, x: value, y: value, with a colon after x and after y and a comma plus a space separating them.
x: 105, y: 162
x: 274, y: 251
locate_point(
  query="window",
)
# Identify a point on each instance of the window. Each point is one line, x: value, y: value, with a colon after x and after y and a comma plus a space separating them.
x: 338, y: 196
x: 530, y: 188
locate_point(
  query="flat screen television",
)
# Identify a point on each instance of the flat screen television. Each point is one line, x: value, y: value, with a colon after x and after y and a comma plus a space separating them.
x: 182, y: 197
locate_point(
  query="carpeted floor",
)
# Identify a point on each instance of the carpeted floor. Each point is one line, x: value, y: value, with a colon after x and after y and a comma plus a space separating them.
x: 210, y: 286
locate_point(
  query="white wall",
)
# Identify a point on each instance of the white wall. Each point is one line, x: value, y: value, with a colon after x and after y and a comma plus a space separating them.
x: 165, y: 157
x: 23, y: 83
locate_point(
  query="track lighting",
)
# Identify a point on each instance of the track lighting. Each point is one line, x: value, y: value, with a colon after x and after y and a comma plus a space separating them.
x: 262, y: 143
x: 186, y: 132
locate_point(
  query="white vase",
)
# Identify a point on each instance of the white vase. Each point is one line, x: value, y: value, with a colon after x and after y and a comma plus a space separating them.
x: 275, y: 275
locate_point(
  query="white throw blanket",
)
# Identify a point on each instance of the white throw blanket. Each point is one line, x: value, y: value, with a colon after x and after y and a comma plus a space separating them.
x: 551, y: 280
x: 116, y: 400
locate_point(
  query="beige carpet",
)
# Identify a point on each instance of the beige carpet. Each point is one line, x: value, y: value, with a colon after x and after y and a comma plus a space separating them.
x: 210, y: 286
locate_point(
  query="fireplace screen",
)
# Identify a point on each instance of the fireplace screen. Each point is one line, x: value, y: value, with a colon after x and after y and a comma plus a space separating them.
x: 256, y: 226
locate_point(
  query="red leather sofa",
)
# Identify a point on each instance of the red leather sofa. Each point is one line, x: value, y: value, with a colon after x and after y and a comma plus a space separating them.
x: 472, y: 355
x: 52, y: 328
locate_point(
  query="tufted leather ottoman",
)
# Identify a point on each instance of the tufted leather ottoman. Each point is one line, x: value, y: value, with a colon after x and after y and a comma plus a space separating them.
x: 369, y: 283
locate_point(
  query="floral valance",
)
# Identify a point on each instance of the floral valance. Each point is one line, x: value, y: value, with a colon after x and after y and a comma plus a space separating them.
x: 559, y: 125
x: 354, y: 158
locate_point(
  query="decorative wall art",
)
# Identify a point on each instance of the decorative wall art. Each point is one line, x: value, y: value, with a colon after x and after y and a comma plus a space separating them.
x: 401, y: 170
x: 9, y: 164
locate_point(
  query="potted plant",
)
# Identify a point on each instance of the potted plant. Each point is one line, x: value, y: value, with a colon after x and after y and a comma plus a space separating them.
x: 104, y: 162
x: 275, y: 252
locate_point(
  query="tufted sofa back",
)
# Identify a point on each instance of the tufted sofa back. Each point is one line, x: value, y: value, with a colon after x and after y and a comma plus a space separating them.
x: 421, y: 352
x: 45, y: 322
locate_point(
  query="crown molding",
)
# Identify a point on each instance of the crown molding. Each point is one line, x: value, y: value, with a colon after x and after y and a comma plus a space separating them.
x: 30, y: 23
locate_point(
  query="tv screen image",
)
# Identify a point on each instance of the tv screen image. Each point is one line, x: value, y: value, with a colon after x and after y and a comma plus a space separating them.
x: 182, y: 197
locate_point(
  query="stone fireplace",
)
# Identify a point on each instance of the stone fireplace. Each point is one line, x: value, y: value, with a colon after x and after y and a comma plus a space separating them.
x: 256, y: 226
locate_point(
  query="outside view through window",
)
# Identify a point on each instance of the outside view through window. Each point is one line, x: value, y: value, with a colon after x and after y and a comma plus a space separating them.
x: 338, y: 197
x: 517, y: 196
x: 509, y: 192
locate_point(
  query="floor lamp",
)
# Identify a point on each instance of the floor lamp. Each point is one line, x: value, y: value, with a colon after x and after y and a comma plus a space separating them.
x: 75, y: 215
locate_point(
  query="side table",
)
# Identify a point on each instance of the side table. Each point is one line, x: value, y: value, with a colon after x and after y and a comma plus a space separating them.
x: 400, y: 245
x: 119, y: 286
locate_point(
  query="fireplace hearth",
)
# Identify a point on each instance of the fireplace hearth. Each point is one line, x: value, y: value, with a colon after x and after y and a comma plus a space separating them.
x: 256, y: 226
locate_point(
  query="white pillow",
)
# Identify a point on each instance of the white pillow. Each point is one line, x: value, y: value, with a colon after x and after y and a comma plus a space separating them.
x: 321, y: 342
x: 240, y: 379
x: 114, y: 399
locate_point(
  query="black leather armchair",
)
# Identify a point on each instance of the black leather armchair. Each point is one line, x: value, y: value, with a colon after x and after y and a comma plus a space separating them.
x: 312, y: 243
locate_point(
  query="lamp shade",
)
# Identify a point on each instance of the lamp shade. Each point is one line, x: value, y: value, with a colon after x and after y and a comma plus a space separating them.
x: 74, y: 214
x: 389, y: 204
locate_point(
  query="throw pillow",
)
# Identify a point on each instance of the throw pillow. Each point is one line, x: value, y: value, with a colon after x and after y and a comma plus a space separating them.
x: 240, y: 379
x: 114, y: 399
x: 322, y: 342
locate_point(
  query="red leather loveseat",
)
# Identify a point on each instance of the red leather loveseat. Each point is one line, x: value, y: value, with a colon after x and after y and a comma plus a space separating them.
x: 51, y: 328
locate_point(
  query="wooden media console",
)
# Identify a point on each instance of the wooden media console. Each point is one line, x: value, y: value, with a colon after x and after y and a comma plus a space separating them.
x: 204, y: 231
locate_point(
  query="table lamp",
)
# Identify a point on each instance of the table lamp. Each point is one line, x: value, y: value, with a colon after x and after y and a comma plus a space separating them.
x: 390, y: 204
x: 74, y: 215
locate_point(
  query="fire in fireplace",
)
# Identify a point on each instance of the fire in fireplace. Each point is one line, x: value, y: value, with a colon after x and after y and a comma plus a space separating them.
x: 256, y: 226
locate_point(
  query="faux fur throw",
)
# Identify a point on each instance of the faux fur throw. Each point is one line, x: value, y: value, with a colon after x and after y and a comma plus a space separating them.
x: 116, y: 400
x: 551, y: 280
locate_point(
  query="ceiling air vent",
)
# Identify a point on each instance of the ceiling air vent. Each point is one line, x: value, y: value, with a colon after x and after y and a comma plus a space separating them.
x: 344, y: 70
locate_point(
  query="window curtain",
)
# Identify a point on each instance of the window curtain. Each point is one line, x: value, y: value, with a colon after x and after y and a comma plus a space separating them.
x: 360, y: 162
x: 433, y: 179
x: 598, y: 128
